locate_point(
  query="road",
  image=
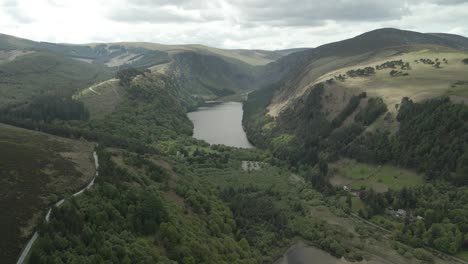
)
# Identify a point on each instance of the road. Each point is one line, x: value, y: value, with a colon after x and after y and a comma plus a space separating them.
x: 30, y: 243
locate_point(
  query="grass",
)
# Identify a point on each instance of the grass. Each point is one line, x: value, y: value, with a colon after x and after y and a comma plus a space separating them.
x: 33, y: 167
x: 101, y: 99
x: 459, y: 88
x: 268, y: 177
x: 357, y: 204
x: 423, y: 81
x: 379, y: 177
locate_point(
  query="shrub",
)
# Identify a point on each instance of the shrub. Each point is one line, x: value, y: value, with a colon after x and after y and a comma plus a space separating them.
x: 421, y: 254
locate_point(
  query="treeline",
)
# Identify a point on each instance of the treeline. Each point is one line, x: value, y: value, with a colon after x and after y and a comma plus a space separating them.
x: 433, y: 135
x: 69, y: 131
x: 149, y: 113
x: 302, y: 132
x: 395, y: 73
x: 443, y: 218
x: 432, y: 138
x: 348, y: 110
x: 262, y: 220
x: 105, y: 224
x: 48, y: 108
x: 375, y: 107
x: 126, y: 76
x: 435, y: 215
x: 393, y: 64
x: 254, y: 119
x: 367, y: 71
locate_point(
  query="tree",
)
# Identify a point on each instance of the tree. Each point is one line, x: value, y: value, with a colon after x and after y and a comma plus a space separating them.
x: 444, y: 236
x: 461, y: 174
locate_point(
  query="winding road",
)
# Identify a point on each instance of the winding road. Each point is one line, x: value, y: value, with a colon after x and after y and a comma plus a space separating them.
x: 30, y: 243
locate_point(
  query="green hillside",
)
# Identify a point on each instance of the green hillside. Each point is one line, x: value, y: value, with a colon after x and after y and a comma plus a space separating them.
x: 45, y: 73
x: 395, y: 102
x: 36, y: 169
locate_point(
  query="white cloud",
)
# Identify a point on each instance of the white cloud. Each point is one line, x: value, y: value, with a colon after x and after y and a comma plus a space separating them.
x: 255, y: 24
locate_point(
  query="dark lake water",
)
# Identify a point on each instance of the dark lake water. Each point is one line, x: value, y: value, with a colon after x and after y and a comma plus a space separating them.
x: 220, y: 123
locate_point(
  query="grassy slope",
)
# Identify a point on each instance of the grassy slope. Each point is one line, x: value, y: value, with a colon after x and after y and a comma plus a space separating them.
x: 379, y: 177
x: 424, y: 81
x: 33, y: 166
x: 102, y: 99
x: 38, y: 73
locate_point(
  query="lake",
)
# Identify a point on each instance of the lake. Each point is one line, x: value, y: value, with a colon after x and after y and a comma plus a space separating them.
x: 220, y: 123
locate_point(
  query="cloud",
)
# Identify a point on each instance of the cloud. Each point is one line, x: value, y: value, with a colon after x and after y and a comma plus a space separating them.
x: 165, y: 11
x: 12, y: 9
x: 255, y: 24
x: 316, y: 12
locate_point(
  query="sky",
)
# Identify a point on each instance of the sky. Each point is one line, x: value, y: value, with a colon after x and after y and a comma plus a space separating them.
x: 248, y: 24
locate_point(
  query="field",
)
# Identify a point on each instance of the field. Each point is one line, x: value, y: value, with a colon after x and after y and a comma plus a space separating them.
x: 379, y: 177
x: 35, y: 169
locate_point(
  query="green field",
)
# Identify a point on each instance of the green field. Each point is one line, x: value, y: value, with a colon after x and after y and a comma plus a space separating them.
x: 379, y: 177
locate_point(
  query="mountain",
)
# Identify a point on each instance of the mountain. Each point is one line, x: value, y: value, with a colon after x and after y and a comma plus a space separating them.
x: 335, y: 99
x: 202, y: 71
x: 382, y: 117
x: 302, y: 69
x: 360, y: 151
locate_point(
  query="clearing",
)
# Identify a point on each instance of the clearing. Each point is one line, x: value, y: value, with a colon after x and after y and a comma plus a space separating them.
x: 381, y: 178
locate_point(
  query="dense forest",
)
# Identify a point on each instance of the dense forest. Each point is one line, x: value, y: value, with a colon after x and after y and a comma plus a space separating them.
x: 48, y: 108
x: 129, y: 218
x: 432, y: 139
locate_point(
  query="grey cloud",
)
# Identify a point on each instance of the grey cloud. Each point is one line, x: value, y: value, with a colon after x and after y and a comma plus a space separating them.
x: 310, y: 13
x: 447, y: 2
x: 147, y: 15
x: 11, y: 8
x: 164, y: 11
x: 252, y: 13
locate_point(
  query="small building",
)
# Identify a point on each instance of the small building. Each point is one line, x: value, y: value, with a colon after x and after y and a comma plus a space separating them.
x: 346, y: 188
x: 401, y: 213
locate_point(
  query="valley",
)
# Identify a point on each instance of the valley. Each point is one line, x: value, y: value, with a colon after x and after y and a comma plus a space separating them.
x: 351, y: 152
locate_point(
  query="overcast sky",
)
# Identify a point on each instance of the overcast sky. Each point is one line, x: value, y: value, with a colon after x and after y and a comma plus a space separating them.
x: 251, y: 24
